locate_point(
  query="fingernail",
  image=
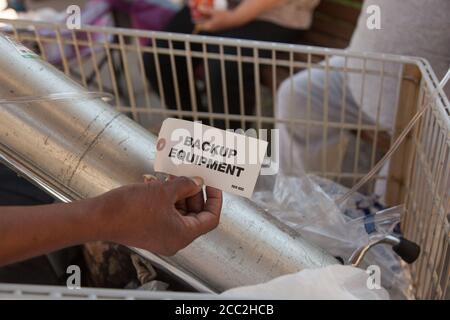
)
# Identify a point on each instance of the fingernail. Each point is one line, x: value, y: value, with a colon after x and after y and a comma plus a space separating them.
x: 149, y: 178
x: 197, y: 180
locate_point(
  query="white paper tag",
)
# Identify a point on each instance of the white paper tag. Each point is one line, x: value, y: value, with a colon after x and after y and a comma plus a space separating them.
x: 225, y: 160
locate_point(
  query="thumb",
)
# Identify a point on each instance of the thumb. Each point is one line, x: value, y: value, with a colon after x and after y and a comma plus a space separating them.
x: 206, y: 11
x: 183, y: 187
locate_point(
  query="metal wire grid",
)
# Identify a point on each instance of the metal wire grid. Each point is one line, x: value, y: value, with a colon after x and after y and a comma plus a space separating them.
x: 428, y: 201
x: 116, y: 66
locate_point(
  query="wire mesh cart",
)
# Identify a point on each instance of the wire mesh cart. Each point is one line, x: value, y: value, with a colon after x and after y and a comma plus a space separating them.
x: 339, y: 122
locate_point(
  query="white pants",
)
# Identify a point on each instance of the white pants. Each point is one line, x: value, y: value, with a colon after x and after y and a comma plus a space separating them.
x: 319, y: 97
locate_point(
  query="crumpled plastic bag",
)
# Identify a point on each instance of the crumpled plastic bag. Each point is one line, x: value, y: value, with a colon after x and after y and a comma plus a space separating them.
x: 330, y: 283
x: 306, y: 203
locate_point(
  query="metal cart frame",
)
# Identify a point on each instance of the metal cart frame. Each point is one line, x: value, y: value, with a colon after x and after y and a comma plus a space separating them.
x: 418, y: 175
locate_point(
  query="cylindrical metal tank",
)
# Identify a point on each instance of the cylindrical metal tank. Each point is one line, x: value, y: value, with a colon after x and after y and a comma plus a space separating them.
x: 78, y: 148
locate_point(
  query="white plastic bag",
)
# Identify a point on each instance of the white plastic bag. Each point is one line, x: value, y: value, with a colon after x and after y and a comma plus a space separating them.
x: 307, y: 205
x: 331, y: 283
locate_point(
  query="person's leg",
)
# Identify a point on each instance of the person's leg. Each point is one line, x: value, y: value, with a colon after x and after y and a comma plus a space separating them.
x: 181, y: 23
x: 241, y: 87
x: 316, y: 98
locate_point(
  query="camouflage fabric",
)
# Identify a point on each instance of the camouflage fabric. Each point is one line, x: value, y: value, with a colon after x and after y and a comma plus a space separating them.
x: 108, y: 265
x: 114, y: 266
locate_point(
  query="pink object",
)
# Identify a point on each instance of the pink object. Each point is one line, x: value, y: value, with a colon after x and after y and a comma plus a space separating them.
x: 96, y: 13
x: 147, y: 16
x: 143, y: 14
x: 196, y: 4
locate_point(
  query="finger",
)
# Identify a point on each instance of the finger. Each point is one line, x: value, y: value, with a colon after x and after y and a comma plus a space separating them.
x: 148, y: 178
x: 182, y: 187
x: 214, y: 201
x: 201, y: 223
x: 195, y: 203
x: 180, y: 205
x: 170, y: 178
x: 199, y: 28
x: 206, y: 27
x: 206, y: 11
x: 208, y: 219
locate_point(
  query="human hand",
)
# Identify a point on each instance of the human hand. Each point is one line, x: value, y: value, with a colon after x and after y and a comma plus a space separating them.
x: 161, y: 217
x: 212, y: 20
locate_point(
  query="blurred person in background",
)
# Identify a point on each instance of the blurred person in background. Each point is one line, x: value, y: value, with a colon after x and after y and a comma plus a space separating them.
x: 413, y: 28
x: 263, y: 20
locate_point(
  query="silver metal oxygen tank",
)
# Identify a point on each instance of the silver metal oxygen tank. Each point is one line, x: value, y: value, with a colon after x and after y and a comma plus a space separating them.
x: 78, y: 148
